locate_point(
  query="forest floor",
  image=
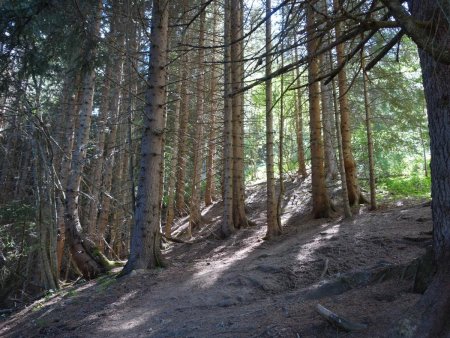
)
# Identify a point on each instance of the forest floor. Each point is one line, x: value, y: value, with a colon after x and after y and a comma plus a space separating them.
x: 248, y: 287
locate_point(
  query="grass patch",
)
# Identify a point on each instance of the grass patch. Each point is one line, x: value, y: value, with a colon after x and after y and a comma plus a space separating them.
x: 412, y: 186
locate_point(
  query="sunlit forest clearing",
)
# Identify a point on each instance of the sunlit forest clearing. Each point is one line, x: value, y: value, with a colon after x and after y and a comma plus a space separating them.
x: 224, y: 168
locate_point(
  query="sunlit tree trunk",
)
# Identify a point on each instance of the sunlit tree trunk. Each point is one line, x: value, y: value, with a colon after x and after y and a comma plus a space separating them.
x: 321, y: 203
x: 145, y: 239
x: 354, y: 193
x: 273, y: 226
x: 82, y: 251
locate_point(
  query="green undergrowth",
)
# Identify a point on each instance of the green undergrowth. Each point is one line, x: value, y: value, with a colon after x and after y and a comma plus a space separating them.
x: 104, y: 282
x: 410, y: 186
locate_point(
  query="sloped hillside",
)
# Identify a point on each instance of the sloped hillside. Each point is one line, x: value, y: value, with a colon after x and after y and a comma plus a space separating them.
x: 247, y: 287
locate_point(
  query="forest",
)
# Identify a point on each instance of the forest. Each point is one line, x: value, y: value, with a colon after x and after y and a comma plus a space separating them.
x: 205, y: 168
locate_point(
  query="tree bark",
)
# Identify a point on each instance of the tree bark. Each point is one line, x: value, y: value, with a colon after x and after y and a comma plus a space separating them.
x: 45, y: 212
x: 195, y: 214
x: 145, y: 239
x: 178, y: 139
x: 110, y: 155
x: 354, y: 193
x: 345, y: 203
x: 227, y: 226
x: 210, y: 188
x: 82, y: 252
x: 97, y: 162
x: 435, y: 305
x: 99, y: 158
x: 299, y: 122
x: 64, y: 167
x: 182, y: 137
x: 373, y: 199
x: 281, y: 142
x: 170, y: 214
x: 273, y: 226
x: 331, y: 169
x: 321, y: 203
x: 237, y: 76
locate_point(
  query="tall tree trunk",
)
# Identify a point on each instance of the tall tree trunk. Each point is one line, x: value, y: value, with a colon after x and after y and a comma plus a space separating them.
x: 170, y: 214
x: 210, y: 188
x: 299, y: 122
x: 373, y: 200
x: 227, y: 226
x: 354, y: 193
x: 145, y: 239
x: 237, y: 76
x: 73, y: 105
x: 345, y: 203
x: 99, y: 158
x: 176, y: 161
x: 194, y: 207
x: 331, y: 169
x: 133, y: 48
x: 182, y: 136
x: 435, y: 304
x: 281, y: 143
x: 321, y: 203
x: 273, y: 225
x: 109, y: 162
x: 82, y: 252
x: 46, y: 210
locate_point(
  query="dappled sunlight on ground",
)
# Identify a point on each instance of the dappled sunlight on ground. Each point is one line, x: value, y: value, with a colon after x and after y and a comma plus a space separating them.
x: 207, y: 273
x: 120, y: 326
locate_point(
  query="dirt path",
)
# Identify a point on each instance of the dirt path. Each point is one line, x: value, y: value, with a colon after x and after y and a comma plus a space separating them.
x: 247, y: 287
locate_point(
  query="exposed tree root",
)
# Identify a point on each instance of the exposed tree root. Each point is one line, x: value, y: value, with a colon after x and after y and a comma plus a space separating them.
x: 325, y: 269
x: 175, y: 240
x: 377, y: 274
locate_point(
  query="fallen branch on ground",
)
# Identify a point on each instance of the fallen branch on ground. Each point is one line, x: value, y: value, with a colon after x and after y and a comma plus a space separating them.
x: 2, y: 311
x: 338, y: 321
